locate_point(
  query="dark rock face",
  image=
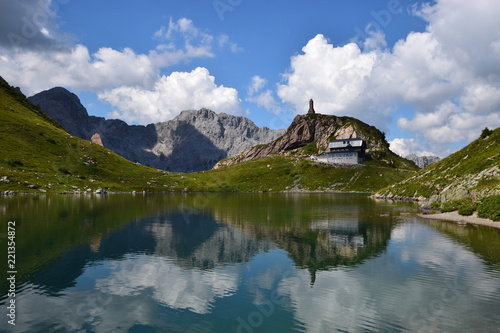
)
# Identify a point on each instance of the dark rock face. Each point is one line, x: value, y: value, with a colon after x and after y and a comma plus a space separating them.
x: 193, y: 141
x: 423, y: 161
x: 65, y: 108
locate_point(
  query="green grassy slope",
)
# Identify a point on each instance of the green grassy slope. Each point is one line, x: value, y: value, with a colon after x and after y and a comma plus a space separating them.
x: 463, y: 178
x: 36, y: 151
x: 37, y: 155
x: 282, y: 173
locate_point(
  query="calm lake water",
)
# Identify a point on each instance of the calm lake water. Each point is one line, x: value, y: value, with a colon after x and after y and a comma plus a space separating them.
x: 244, y: 263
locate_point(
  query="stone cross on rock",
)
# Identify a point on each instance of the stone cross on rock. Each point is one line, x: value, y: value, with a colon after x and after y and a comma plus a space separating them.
x: 311, y: 106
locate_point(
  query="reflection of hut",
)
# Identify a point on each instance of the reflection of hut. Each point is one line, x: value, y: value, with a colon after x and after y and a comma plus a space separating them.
x: 343, y: 233
x: 344, y: 151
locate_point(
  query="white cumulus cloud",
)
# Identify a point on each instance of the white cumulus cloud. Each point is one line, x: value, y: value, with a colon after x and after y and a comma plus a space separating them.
x: 172, y: 94
x: 265, y: 100
x: 261, y: 98
x: 76, y: 68
x: 404, y: 147
x: 449, y: 75
x: 128, y: 80
x: 334, y: 77
x: 256, y: 84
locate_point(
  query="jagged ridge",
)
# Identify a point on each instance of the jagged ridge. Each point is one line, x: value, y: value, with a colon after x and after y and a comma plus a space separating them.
x: 193, y: 141
x: 422, y: 161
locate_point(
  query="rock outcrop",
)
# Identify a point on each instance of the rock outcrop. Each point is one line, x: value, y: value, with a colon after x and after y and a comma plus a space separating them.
x: 319, y: 129
x: 65, y: 108
x: 193, y: 141
x: 96, y: 139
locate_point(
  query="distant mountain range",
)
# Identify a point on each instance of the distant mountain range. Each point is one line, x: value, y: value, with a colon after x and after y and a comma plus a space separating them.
x: 39, y: 156
x: 193, y: 141
x: 423, y: 161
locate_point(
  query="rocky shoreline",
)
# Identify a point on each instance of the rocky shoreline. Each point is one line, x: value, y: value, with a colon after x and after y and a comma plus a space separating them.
x: 462, y: 220
x: 398, y: 198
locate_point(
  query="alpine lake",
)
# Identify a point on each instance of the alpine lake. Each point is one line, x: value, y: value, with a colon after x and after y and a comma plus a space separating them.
x: 248, y: 262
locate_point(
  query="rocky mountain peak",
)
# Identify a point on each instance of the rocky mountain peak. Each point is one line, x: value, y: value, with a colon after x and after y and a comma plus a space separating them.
x: 64, y: 107
x: 423, y: 161
x: 193, y: 141
x: 319, y: 129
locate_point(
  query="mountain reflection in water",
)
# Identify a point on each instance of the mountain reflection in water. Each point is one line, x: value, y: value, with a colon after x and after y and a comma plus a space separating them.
x: 236, y: 263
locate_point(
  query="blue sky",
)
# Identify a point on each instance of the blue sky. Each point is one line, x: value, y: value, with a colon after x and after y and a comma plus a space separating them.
x: 426, y: 73
x: 266, y: 34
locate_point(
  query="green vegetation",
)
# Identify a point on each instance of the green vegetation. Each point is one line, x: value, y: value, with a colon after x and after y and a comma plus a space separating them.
x: 475, y: 168
x: 40, y: 157
x: 310, y: 149
x: 459, y: 182
x: 486, y: 133
x: 281, y: 173
x: 465, y: 206
x: 489, y: 208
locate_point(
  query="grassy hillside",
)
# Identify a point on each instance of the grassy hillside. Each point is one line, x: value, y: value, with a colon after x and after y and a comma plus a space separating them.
x: 38, y: 156
x: 285, y: 173
x: 462, y: 179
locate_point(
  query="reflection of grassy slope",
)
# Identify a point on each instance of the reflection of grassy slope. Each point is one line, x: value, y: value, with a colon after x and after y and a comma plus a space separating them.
x: 47, y: 226
x: 482, y: 240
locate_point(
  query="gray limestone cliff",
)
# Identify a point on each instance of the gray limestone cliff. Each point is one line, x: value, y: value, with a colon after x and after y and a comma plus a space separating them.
x: 195, y: 140
x: 423, y: 161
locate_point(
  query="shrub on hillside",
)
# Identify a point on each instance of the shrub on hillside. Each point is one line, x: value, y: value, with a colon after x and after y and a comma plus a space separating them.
x: 450, y: 206
x: 13, y: 163
x: 467, y: 207
x: 486, y: 133
x: 64, y: 170
x: 489, y: 208
x: 464, y: 206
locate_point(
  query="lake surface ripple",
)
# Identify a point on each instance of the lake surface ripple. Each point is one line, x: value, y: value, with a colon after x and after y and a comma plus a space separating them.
x: 264, y: 262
